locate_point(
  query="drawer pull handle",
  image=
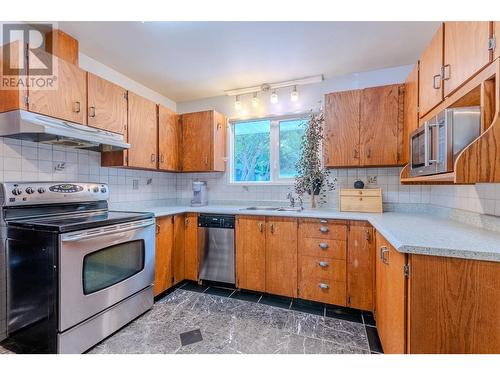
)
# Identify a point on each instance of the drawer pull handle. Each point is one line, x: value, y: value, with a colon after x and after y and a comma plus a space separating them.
x: 384, y: 250
x: 323, y: 221
x: 261, y: 227
x: 324, y: 229
x: 323, y: 245
x: 323, y: 264
x: 323, y: 286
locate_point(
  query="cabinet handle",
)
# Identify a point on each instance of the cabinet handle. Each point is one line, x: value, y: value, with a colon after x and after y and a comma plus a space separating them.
x: 157, y: 228
x: 369, y: 153
x: 367, y: 235
x: 384, y: 250
x: 323, y: 264
x: 323, y: 245
x: 272, y: 228
x: 206, y: 160
x: 445, y: 72
x: 92, y: 112
x: 436, y: 81
x: 261, y: 227
x: 354, y: 154
x: 324, y: 229
x: 153, y: 158
x: 323, y: 221
x: 162, y: 158
x: 323, y: 286
x: 76, y: 107
x: 186, y: 221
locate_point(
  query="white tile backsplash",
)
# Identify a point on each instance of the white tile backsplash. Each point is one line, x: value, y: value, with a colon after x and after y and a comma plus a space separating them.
x: 28, y: 161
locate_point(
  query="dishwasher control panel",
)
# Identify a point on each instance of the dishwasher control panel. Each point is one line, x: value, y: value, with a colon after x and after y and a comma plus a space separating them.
x: 216, y: 221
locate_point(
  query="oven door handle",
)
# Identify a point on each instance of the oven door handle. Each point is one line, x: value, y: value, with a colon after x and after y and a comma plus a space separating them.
x: 108, y: 230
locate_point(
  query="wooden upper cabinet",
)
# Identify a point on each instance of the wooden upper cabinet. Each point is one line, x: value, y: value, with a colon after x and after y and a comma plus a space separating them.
x: 390, y: 306
x: 69, y: 100
x: 360, y: 266
x: 496, y: 34
x: 281, y: 256
x: 465, y: 52
x: 251, y: 253
x: 379, y: 125
x: 142, y: 132
x: 107, y: 105
x: 410, y: 122
x: 11, y: 99
x: 163, y: 254
x: 203, y: 141
x: 169, y: 139
x: 342, y: 115
x: 431, y: 61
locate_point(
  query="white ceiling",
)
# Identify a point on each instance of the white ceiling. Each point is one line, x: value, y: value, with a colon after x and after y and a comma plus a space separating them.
x: 192, y: 60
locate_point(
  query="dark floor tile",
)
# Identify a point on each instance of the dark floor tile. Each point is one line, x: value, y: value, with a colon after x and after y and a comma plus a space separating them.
x: 368, y: 318
x: 243, y: 295
x: 373, y: 339
x: 218, y: 284
x: 194, y: 287
x: 344, y: 313
x: 190, y: 337
x: 309, y: 307
x: 221, y: 292
x: 276, y: 301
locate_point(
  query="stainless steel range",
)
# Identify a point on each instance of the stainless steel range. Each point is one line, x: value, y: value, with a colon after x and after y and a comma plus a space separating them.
x: 75, y: 272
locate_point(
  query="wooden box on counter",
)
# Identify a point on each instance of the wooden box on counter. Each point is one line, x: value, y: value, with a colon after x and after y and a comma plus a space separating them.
x: 361, y: 200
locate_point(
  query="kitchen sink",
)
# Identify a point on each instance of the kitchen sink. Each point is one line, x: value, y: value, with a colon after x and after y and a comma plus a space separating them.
x: 264, y: 208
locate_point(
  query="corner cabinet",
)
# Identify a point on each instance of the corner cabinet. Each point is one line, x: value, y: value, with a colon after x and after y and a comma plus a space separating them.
x: 203, y: 142
x: 364, y: 128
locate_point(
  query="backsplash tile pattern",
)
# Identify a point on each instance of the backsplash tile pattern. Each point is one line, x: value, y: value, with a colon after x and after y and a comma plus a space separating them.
x: 28, y: 161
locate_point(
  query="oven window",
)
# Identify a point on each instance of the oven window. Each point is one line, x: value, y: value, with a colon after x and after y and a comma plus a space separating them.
x: 111, y: 265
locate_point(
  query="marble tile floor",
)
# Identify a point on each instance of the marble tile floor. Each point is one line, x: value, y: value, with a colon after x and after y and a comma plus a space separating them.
x: 210, y: 319
x: 232, y: 321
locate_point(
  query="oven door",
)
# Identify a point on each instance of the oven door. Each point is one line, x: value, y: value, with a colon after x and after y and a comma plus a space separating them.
x: 102, y: 266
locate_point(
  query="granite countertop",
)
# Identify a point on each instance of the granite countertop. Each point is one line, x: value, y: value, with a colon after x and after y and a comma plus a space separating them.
x: 415, y: 233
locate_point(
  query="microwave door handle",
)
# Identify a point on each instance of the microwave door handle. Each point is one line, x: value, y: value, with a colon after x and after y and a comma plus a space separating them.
x: 426, y: 144
x: 435, y: 159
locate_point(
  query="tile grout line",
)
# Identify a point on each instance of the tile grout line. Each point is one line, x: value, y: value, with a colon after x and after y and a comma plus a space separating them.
x: 229, y: 296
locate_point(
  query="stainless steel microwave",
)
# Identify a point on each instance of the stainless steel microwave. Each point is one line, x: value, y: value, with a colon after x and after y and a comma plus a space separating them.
x: 435, y: 145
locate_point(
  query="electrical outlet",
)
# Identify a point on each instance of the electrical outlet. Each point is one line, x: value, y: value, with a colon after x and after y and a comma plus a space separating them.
x: 135, y: 184
x: 372, y: 180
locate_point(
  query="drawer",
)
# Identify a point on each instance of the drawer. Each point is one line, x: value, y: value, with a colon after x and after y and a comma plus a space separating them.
x: 360, y: 204
x: 322, y: 228
x: 322, y: 269
x: 331, y: 292
x: 323, y: 248
x: 361, y: 192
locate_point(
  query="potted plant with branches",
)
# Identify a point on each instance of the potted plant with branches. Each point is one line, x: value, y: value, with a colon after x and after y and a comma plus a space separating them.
x: 312, y: 177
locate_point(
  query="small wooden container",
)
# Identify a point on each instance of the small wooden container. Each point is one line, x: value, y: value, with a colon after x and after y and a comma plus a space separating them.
x: 361, y: 200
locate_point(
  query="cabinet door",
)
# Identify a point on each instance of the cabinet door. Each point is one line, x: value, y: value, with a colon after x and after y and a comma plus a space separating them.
x: 219, y: 152
x: 163, y: 257
x: 191, y: 253
x: 390, y: 310
x: 142, y: 132
x: 281, y: 256
x: 379, y: 126
x: 197, y: 152
x: 430, y: 87
x: 251, y: 253
x: 69, y: 100
x: 178, y: 249
x: 410, y: 113
x: 169, y: 139
x: 496, y: 34
x: 465, y: 52
x: 107, y: 104
x: 11, y: 99
x: 360, y: 266
x: 341, y: 143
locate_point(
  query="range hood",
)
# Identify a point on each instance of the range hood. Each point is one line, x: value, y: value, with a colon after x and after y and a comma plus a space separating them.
x: 28, y: 126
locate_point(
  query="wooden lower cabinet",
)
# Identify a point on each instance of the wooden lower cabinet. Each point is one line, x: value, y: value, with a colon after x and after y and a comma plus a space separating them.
x: 178, y: 249
x: 454, y: 306
x: 281, y: 256
x: 360, y: 266
x: 390, y: 307
x: 322, y: 261
x: 163, y: 255
x: 251, y: 253
x: 191, y: 251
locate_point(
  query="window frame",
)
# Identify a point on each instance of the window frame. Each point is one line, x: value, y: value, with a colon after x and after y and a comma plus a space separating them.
x: 274, y: 144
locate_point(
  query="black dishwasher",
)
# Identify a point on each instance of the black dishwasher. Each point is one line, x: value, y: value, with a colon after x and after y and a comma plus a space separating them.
x: 216, y: 241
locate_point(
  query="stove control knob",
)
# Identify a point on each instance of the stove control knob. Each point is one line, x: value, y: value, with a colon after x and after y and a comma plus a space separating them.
x: 30, y: 190
x: 103, y: 190
x: 17, y: 191
x: 95, y: 189
x: 41, y: 190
